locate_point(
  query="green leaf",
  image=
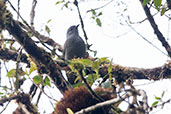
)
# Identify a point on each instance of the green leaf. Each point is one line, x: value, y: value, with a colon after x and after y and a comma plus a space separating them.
x: 163, y: 93
x: 110, y: 68
x: 96, y: 65
x: 77, y: 65
x: 98, y: 22
x: 93, y: 12
x: 145, y: 2
x: 78, y: 78
x: 86, y: 62
x: 77, y: 84
x: 104, y: 59
x: 157, y: 98
x: 58, y: 2
x: 157, y: 4
x: 47, y: 81
x: 47, y: 29
x: 155, y: 103
x: 99, y: 14
x: 11, y: 73
x: 1, y: 93
x: 32, y: 68
x: 69, y: 111
x: 66, y: 4
x: 49, y: 20
x: 91, y: 78
x: 93, y: 17
x: 95, y: 53
x: 163, y: 11
x: 37, y: 79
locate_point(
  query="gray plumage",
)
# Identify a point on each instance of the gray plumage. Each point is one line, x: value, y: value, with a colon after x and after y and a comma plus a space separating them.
x: 74, y: 46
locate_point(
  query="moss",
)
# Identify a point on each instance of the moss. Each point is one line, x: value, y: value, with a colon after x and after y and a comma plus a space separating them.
x: 5, y: 16
x: 79, y: 98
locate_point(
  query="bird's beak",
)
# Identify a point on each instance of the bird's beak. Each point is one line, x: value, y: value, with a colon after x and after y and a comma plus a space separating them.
x: 77, y: 25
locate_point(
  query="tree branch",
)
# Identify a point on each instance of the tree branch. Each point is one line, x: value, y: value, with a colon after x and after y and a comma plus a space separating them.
x: 32, y: 13
x: 102, y: 104
x: 160, y: 36
x: 6, y: 54
x: 121, y: 74
x: 2, y: 101
x: 82, y: 24
x: 118, y: 71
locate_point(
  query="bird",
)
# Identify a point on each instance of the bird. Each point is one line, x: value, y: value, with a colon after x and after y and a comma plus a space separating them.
x: 74, y: 46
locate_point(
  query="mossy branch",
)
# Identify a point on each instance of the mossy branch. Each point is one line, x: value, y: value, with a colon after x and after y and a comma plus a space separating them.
x: 39, y: 55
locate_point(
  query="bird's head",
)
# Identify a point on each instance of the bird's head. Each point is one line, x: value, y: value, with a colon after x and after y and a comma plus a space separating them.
x: 73, y: 30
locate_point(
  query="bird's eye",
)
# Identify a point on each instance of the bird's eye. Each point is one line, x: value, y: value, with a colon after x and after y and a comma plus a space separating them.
x: 71, y: 28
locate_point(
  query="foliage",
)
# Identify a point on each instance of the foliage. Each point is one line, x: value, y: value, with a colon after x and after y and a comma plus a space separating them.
x: 162, y: 8
x: 96, y: 16
x: 81, y: 64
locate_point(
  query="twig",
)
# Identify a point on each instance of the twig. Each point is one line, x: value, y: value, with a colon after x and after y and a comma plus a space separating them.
x: 4, y: 108
x: 8, y: 40
x: 2, y: 101
x: 8, y: 77
x: 42, y: 89
x: 82, y: 24
x: 100, y: 7
x: 139, y: 22
x: 17, y: 70
x: 102, y: 104
x: 144, y: 99
x: 32, y: 13
x: 18, y: 6
x: 89, y: 88
x: 145, y: 39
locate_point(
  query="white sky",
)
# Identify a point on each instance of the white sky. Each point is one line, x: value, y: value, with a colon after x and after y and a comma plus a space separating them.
x: 128, y: 50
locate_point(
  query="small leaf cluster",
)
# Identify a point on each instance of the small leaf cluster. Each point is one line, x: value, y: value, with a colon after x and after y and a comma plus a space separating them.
x: 65, y: 3
x: 47, y: 29
x: 158, y: 5
x: 95, y: 16
x: 158, y: 100
x: 37, y: 79
x: 83, y: 65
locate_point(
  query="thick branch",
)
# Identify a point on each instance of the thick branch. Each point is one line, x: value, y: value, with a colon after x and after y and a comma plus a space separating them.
x: 160, y: 36
x: 123, y: 73
x: 118, y: 71
x: 6, y: 54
